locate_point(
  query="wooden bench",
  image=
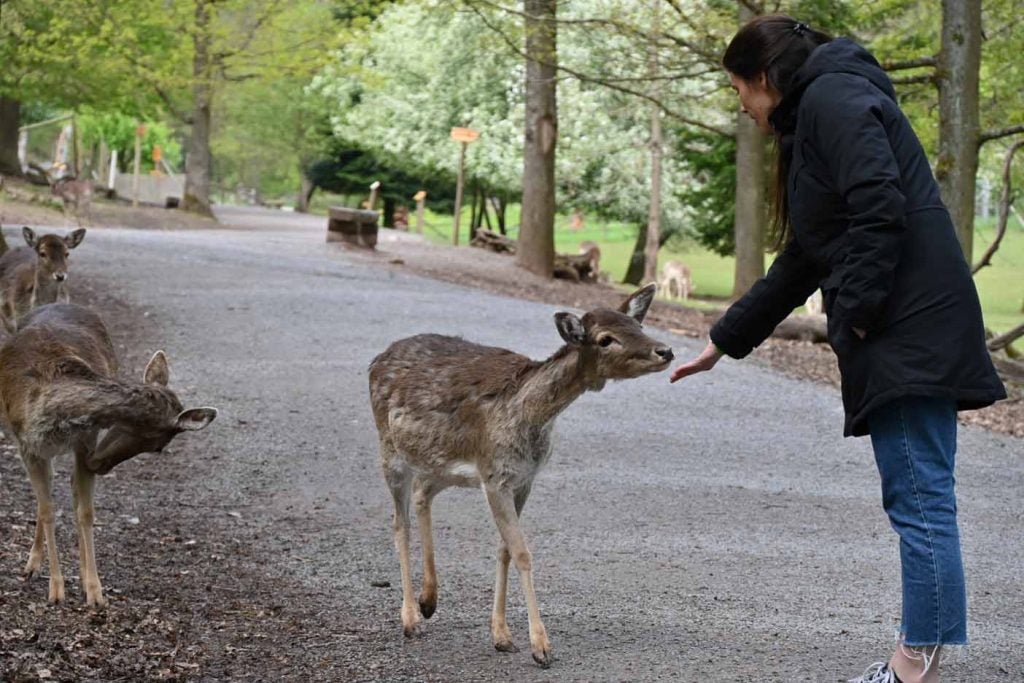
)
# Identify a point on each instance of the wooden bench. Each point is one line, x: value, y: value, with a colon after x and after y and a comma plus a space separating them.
x: 357, y: 227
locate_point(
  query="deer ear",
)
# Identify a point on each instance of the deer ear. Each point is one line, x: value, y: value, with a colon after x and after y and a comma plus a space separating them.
x: 638, y: 302
x: 30, y: 236
x: 194, y: 419
x: 75, y: 238
x: 157, y: 371
x: 570, y: 328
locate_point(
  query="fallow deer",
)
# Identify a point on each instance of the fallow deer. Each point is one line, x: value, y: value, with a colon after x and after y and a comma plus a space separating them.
x: 59, y: 392
x: 453, y: 413
x: 591, y: 249
x: 675, y: 280
x: 35, y: 275
x: 75, y: 194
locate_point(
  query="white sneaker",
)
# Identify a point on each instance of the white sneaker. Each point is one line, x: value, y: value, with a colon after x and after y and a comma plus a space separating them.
x: 879, y: 672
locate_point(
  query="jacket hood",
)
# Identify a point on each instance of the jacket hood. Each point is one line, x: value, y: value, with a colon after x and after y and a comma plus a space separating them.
x: 841, y: 55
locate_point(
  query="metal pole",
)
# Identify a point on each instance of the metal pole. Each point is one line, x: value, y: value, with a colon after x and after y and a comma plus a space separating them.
x: 458, y: 194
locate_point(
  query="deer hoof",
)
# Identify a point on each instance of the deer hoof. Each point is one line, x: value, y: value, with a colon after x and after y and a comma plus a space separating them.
x: 543, y: 658
x: 56, y: 595
x: 428, y: 607
x: 505, y: 646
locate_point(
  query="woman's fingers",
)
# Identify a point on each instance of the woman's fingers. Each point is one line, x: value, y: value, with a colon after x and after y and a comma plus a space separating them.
x: 705, y: 361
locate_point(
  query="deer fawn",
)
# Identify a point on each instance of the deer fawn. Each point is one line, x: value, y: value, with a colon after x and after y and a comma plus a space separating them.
x: 35, y: 275
x: 59, y: 392
x: 675, y: 280
x: 453, y: 413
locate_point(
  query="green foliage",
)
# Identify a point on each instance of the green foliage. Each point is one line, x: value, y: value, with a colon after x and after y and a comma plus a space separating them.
x: 711, y: 161
x: 118, y: 131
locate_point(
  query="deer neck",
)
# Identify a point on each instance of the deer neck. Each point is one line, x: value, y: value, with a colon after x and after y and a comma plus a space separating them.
x: 555, y: 383
x: 91, y: 403
x: 46, y: 289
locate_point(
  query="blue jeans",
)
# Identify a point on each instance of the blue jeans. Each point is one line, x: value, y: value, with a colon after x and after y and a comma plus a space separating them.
x: 914, y: 439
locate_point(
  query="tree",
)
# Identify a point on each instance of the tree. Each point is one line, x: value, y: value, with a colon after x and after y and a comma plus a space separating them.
x: 750, y: 196
x: 536, y: 251
x: 55, y: 54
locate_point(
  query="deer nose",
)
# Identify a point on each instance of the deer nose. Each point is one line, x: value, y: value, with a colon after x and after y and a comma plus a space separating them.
x: 665, y: 353
x: 60, y: 277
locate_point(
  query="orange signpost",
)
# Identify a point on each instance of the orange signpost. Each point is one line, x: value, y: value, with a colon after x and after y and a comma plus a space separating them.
x: 463, y: 136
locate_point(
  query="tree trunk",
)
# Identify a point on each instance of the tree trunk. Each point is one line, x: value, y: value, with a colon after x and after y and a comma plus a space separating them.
x: 654, y: 214
x: 536, y: 251
x: 199, y: 160
x: 389, y: 212
x: 306, y: 188
x: 10, y: 119
x: 635, y: 269
x: 959, y: 63
x: 749, y: 226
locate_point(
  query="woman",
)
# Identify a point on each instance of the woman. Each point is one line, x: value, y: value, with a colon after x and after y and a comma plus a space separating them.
x: 857, y: 213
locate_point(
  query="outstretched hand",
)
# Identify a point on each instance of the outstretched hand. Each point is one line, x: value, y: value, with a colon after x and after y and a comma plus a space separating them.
x: 705, y: 361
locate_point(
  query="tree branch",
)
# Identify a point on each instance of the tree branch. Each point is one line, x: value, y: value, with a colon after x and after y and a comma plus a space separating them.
x: 903, y: 64
x: 996, y: 133
x: 1005, y: 202
x: 602, y: 82
x: 1005, y: 339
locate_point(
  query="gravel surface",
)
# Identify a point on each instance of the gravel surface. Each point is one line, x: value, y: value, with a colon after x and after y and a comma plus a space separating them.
x: 716, y: 530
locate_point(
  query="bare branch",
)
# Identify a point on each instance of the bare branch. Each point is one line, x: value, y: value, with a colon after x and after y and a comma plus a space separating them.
x: 611, y: 84
x: 1005, y: 339
x: 996, y: 133
x: 903, y: 64
x: 1005, y: 202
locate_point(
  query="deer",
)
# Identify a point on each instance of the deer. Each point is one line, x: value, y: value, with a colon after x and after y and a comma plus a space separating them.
x: 675, y: 280
x: 73, y: 192
x: 594, y: 251
x: 450, y: 412
x: 35, y: 275
x: 59, y: 392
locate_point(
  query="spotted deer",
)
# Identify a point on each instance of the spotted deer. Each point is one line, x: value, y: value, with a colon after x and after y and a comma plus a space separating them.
x: 675, y: 280
x: 59, y: 392
x: 35, y: 275
x: 453, y: 413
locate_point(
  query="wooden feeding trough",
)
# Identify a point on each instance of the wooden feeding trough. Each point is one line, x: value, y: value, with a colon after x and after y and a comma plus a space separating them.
x: 357, y: 227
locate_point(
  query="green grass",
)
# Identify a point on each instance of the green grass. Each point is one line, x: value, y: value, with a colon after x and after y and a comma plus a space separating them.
x: 1000, y: 286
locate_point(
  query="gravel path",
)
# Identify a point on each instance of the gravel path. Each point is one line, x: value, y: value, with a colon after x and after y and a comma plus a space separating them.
x: 717, y: 530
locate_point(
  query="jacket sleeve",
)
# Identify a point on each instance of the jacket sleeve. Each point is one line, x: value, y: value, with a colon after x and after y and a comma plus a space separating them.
x: 748, y: 322
x: 847, y: 130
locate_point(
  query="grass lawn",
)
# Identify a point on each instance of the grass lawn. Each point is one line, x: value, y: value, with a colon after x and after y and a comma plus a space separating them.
x: 1000, y: 286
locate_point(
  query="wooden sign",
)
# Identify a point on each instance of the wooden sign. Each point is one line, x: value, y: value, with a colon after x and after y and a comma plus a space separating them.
x: 464, y: 135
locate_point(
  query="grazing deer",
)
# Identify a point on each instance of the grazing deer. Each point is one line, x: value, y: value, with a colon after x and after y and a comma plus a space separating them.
x: 59, y: 392
x: 453, y: 413
x: 35, y: 275
x: 675, y: 280
x: 594, y: 251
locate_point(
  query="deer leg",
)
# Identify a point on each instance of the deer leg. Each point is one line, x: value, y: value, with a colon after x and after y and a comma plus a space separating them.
x: 400, y: 484
x: 35, y: 555
x: 41, y: 475
x: 82, y: 485
x: 422, y: 498
x: 501, y: 636
x: 503, y: 509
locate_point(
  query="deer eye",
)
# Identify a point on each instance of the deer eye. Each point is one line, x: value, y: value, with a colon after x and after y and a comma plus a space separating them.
x: 605, y: 341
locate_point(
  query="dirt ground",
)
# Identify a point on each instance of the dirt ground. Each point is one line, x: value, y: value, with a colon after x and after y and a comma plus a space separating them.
x: 239, y: 623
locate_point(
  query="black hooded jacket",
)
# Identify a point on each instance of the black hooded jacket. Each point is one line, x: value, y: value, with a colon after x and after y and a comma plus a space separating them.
x: 870, y: 230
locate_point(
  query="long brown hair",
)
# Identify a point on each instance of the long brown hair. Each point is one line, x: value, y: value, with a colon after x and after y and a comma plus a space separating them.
x: 777, y: 46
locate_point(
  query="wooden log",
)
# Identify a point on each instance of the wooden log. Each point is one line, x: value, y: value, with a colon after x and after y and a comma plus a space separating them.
x: 812, y: 328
